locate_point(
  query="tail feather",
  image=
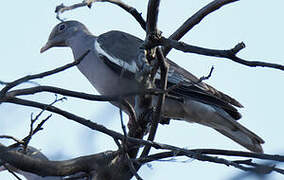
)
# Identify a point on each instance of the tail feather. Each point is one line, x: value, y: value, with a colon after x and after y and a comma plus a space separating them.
x: 238, y: 133
x: 250, y: 142
x: 216, y: 118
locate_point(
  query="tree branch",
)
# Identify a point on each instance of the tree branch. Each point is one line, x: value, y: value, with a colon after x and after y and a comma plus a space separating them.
x: 80, y: 120
x: 195, y: 19
x: 232, y: 153
x: 175, y: 151
x: 131, y: 10
x: 261, y: 168
x: 257, y: 168
x: 164, y: 67
x: 11, y: 137
x: 40, y: 75
x: 62, y: 8
x: 152, y: 16
x: 229, y: 54
x: 56, y: 168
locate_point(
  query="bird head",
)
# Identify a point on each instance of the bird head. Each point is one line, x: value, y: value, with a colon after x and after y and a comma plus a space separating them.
x: 30, y: 151
x: 62, y: 33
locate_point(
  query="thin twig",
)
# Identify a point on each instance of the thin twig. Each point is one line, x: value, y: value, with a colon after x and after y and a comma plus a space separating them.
x: 33, y: 131
x: 3, y: 83
x: 190, y: 154
x: 131, y: 10
x: 182, y: 152
x: 117, y: 143
x: 12, y: 172
x: 132, y: 168
x: 236, y: 164
x: 62, y: 8
x: 13, y: 138
x: 41, y: 75
x: 240, y: 154
x: 206, y: 77
x: 261, y: 168
x: 122, y: 125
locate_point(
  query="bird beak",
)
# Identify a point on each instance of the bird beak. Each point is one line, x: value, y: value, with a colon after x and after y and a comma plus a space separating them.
x: 47, y: 46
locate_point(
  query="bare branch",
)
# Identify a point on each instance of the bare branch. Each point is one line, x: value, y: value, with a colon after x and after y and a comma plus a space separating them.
x: 229, y: 54
x: 123, y: 127
x: 232, y: 153
x: 10, y: 171
x: 152, y: 16
x: 164, y: 67
x: 80, y: 120
x: 261, y: 168
x: 206, y: 77
x: 62, y: 8
x: 240, y: 154
x: 40, y: 75
x: 11, y: 137
x: 3, y: 82
x: 33, y: 131
x: 193, y: 155
x: 55, y: 168
x: 132, y: 168
x: 257, y: 168
x: 196, y: 154
x: 130, y: 10
x: 195, y: 19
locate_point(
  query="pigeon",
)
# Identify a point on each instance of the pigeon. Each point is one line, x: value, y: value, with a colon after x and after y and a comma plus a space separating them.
x: 110, y: 66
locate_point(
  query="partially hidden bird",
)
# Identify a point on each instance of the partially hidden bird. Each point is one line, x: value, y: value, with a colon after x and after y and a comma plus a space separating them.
x: 110, y: 66
x: 36, y: 154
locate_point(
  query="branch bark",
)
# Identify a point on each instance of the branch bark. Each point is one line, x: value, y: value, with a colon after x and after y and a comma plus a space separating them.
x: 40, y: 75
x: 195, y: 19
x: 164, y: 67
x: 97, y: 162
x: 228, y: 54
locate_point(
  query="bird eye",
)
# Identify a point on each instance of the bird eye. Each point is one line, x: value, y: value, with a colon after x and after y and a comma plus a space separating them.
x: 20, y: 149
x: 61, y: 27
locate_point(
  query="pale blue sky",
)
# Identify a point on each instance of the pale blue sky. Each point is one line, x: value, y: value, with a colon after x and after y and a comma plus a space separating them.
x: 25, y: 27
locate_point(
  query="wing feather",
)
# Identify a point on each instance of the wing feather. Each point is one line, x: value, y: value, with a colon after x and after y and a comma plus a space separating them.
x: 120, y: 54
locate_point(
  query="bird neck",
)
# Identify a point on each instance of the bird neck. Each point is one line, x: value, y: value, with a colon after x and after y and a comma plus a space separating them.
x: 80, y: 43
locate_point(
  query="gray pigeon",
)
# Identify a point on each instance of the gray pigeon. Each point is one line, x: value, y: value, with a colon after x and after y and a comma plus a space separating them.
x: 33, y: 152
x: 110, y: 67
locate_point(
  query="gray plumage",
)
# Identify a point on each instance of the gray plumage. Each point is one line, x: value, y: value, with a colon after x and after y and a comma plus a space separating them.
x: 34, y: 153
x: 115, y: 51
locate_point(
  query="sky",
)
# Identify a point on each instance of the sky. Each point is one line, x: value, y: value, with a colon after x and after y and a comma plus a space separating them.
x: 26, y: 25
